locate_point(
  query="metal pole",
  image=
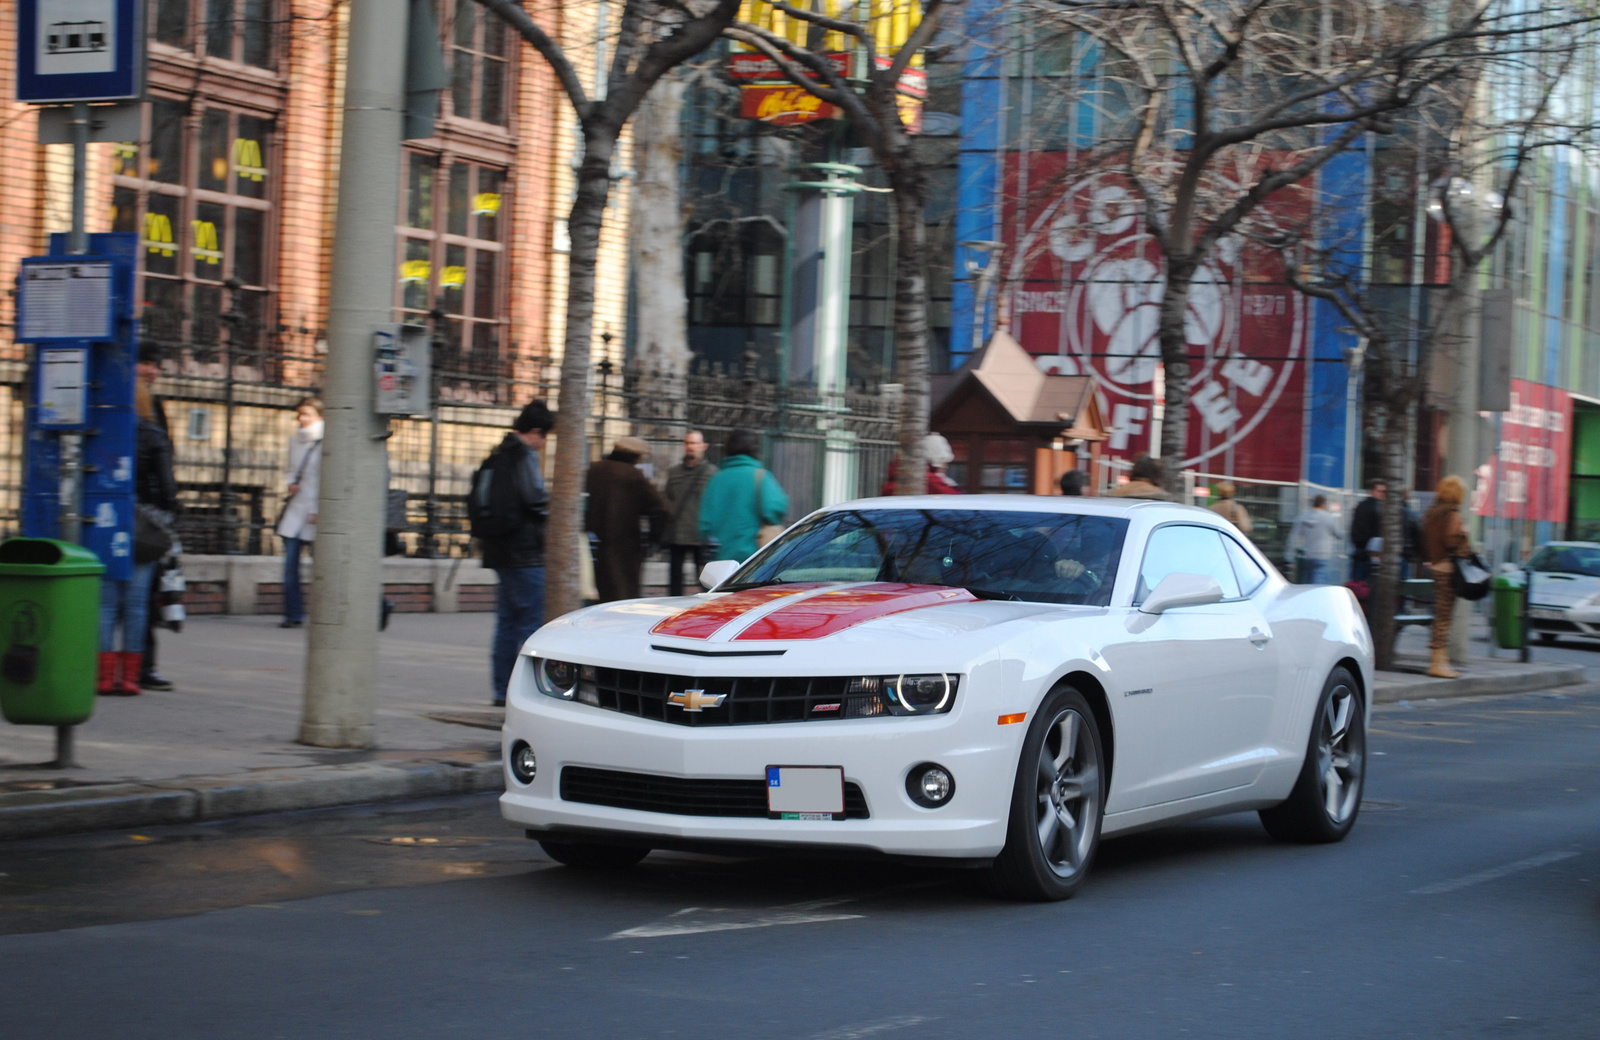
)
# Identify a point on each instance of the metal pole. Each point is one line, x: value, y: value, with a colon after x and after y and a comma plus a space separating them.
x: 430, y: 523
x: 230, y: 543
x: 66, y: 758
x: 341, y: 664
x: 77, y: 242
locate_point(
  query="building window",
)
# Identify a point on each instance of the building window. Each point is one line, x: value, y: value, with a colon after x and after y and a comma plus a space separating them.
x: 478, y: 64
x: 197, y: 189
x: 234, y: 30
x: 451, y: 230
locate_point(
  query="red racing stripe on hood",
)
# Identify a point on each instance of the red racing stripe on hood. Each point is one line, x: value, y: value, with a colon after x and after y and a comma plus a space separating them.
x: 819, y: 616
x: 704, y: 620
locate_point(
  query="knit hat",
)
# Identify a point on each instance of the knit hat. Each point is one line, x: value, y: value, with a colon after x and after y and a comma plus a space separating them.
x: 633, y: 446
x: 535, y: 415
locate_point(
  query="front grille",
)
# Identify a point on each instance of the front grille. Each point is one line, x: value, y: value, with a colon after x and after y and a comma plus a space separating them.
x: 748, y: 701
x: 679, y: 796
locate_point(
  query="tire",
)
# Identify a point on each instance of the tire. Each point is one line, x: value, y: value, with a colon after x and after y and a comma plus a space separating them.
x: 590, y: 856
x: 1327, y: 796
x: 1057, y: 803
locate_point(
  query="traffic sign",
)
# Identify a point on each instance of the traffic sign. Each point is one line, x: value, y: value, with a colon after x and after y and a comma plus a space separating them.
x: 79, y: 50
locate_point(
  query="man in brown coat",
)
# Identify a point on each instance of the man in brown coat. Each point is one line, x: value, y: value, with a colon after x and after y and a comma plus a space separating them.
x: 619, y: 494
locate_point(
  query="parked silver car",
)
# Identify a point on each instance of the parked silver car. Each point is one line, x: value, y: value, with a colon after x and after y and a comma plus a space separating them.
x: 1564, y: 594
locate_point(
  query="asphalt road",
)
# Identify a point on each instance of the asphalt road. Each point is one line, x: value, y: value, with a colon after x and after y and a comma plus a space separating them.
x: 1466, y: 903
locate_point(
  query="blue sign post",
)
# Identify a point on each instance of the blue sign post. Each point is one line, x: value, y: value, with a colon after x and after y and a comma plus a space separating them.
x: 79, y: 50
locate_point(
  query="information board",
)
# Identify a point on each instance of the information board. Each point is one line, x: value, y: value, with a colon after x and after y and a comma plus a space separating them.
x: 65, y: 300
x: 63, y: 386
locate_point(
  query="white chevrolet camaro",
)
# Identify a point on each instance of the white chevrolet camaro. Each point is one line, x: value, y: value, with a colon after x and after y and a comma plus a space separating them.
x: 996, y: 681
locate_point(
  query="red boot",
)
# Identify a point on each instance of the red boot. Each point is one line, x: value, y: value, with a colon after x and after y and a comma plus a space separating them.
x: 128, y: 685
x: 110, y: 672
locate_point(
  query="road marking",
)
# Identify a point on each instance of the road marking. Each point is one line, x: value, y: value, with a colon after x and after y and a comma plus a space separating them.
x: 1494, y: 873
x: 865, y: 1029
x: 1419, y: 736
x: 694, y: 920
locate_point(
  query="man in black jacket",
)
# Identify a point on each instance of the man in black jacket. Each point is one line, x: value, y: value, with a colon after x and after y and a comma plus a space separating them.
x: 516, y: 495
x: 1366, y: 523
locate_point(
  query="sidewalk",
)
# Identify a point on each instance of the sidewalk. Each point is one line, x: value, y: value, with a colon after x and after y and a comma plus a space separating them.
x: 222, y: 743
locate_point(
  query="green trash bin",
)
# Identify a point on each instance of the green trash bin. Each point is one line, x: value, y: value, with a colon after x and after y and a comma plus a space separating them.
x: 49, y: 631
x: 1508, y: 627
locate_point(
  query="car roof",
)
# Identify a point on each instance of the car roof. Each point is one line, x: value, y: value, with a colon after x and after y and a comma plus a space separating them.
x: 1570, y: 545
x: 1093, y: 506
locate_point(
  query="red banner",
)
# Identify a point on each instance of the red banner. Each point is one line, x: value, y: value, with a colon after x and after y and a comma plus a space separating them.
x: 783, y: 105
x: 1084, y: 282
x: 1528, y: 477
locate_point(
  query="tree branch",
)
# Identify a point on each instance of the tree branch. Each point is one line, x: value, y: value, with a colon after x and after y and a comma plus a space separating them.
x: 513, y: 15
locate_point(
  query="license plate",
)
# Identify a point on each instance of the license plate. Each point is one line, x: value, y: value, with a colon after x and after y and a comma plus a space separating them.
x: 1546, y: 614
x: 805, y: 792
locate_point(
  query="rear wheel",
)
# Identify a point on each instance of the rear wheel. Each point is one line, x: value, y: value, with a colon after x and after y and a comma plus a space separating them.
x: 1056, y: 804
x: 1327, y: 796
x: 592, y: 856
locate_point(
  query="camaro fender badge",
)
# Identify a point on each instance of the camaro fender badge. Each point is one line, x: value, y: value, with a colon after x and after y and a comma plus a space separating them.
x: 696, y: 700
x: 1135, y: 693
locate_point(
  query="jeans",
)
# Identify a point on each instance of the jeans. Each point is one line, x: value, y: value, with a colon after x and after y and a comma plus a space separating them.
x: 125, y: 604
x: 294, y: 599
x: 1316, y: 571
x: 675, y: 568
x: 518, y: 612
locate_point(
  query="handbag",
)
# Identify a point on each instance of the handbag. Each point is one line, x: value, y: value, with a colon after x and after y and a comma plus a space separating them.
x: 765, y: 532
x: 152, y: 533
x: 1470, y: 577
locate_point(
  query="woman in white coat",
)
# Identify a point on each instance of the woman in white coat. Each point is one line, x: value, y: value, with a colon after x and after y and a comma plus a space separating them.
x: 298, y: 525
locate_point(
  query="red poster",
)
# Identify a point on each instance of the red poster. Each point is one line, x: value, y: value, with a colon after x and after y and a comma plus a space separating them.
x: 1084, y: 280
x: 1527, y: 479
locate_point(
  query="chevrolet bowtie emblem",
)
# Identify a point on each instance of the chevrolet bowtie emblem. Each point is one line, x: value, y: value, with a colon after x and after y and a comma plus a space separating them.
x: 696, y: 700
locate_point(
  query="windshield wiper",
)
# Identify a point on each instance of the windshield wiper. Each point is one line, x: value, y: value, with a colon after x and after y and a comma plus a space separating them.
x: 993, y: 594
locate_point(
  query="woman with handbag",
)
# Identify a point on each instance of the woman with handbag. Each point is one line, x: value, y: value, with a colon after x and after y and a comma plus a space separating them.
x: 1444, y: 546
x: 124, y: 604
x: 298, y: 523
x: 743, y: 505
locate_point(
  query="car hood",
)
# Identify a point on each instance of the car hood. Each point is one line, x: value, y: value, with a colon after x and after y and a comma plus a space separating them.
x: 1556, y: 589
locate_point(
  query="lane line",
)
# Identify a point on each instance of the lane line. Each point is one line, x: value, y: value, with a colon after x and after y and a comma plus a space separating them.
x: 865, y: 1029
x: 695, y: 920
x: 1494, y: 873
x: 1419, y: 736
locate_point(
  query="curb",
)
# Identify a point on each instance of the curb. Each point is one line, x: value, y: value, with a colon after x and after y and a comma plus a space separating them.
x: 35, y: 814
x: 1392, y: 687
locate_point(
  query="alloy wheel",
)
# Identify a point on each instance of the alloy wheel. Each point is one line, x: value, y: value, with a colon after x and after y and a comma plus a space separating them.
x: 1068, y: 794
x: 1341, y: 746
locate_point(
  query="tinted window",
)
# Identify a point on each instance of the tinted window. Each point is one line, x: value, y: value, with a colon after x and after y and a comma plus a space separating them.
x: 1567, y: 559
x: 1181, y: 549
x: 1245, y: 567
x: 1048, y: 557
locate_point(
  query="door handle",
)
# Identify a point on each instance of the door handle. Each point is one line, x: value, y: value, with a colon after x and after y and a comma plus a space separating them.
x: 1259, y: 638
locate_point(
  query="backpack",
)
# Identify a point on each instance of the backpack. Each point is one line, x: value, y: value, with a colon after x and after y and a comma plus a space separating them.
x: 489, y: 514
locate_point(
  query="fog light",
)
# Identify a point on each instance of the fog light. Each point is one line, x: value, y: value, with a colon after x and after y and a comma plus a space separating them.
x: 930, y: 785
x: 524, y: 766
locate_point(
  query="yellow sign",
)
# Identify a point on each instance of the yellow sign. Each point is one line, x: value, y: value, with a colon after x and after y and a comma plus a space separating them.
x: 158, y: 234
x: 205, y: 242
x: 414, y: 272
x: 247, y: 159
x: 486, y: 204
x: 454, y: 276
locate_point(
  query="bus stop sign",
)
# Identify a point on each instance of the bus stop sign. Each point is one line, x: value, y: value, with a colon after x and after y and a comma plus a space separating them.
x: 79, y: 50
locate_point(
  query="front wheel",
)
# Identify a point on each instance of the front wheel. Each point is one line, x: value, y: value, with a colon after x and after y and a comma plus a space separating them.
x: 592, y: 856
x: 1056, y: 804
x: 1327, y: 796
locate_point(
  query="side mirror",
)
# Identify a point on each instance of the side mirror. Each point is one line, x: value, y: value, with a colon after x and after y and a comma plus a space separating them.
x: 1182, y: 590
x: 718, y: 571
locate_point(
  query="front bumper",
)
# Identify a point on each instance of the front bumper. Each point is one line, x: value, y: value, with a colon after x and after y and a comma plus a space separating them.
x: 876, y: 754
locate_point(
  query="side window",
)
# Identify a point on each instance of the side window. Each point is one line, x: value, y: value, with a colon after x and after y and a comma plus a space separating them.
x: 1182, y: 549
x: 1249, y: 571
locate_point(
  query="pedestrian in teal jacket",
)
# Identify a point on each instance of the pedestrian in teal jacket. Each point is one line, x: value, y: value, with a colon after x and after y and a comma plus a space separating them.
x: 729, y: 512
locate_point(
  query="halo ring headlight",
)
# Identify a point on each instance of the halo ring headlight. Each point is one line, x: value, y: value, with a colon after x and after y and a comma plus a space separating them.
x: 936, y: 683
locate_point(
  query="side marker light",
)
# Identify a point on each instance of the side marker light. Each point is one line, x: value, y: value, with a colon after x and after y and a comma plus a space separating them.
x: 1007, y: 720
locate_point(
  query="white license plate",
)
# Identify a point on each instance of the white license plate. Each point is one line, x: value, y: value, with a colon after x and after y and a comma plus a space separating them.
x: 1546, y: 614
x: 805, y: 792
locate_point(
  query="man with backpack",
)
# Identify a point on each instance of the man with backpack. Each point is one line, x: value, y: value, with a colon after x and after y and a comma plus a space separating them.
x: 506, y: 508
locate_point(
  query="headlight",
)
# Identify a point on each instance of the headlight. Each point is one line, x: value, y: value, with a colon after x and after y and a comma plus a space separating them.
x: 928, y: 694
x: 555, y: 678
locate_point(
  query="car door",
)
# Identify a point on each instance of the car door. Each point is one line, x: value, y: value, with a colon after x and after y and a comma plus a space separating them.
x: 1197, y: 683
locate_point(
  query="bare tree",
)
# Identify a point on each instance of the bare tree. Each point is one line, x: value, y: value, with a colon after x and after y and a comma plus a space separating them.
x: 652, y: 37
x: 1481, y: 131
x: 1210, y: 108
x: 874, y: 110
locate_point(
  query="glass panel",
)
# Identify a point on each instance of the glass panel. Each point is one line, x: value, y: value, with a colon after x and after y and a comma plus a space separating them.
x: 459, y: 198
x: 1248, y: 570
x: 252, y: 315
x: 161, y: 221
x: 483, y: 342
x: 124, y: 209
x: 214, y: 150
x: 483, y: 283
x: 453, y: 280
x: 249, y: 242
x: 209, y: 231
x: 206, y: 328
x: 415, y: 273
x: 219, y: 28
x: 461, y: 84
x: 164, y: 160
x: 492, y: 99
x: 466, y: 23
x: 163, y: 309
x: 258, y: 33
x: 1182, y: 549
x: 419, y: 191
x: 494, y: 37
x: 250, y: 157
x: 172, y: 22
x: 486, y: 203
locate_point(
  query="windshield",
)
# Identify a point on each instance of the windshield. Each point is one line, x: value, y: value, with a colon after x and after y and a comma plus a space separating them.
x: 1048, y: 557
x: 1567, y: 559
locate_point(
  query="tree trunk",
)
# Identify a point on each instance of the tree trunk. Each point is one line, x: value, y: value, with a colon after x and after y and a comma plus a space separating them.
x: 657, y: 215
x: 1175, y: 357
x: 1384, y: 588
x: 565, y: 526
x: 911, y: 320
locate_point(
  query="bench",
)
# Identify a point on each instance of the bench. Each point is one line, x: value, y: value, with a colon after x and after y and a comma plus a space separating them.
x: 1414, y: 591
